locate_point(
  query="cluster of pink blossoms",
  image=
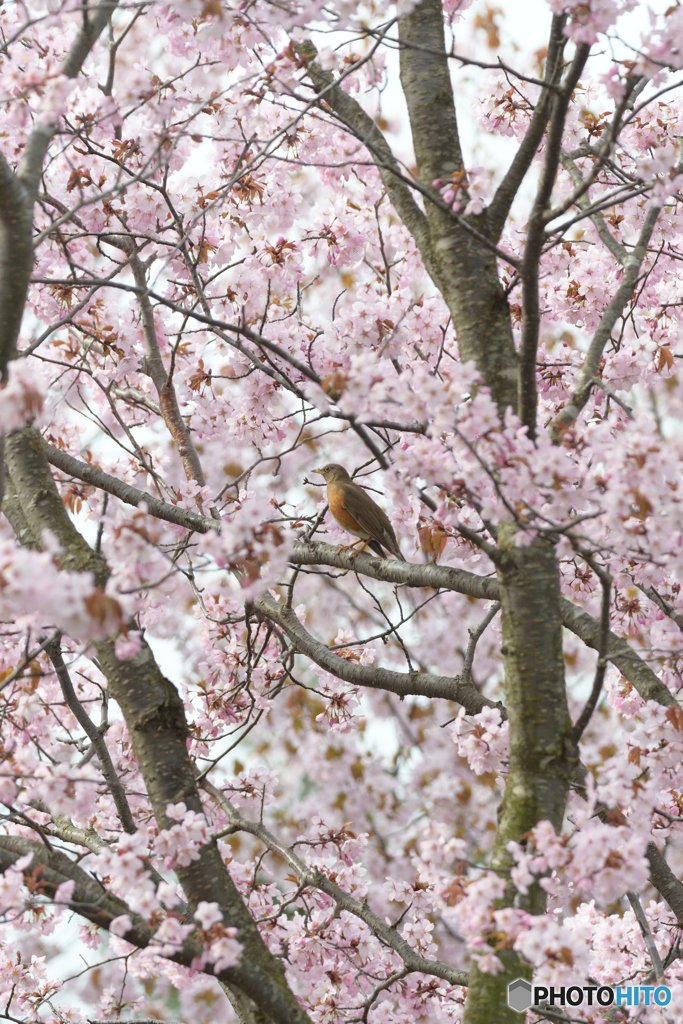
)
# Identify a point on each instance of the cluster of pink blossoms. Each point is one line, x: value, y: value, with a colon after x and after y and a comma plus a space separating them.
x: 253, y: 212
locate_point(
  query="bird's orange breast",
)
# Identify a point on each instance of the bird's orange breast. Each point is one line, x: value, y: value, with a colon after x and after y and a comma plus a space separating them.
x: 335, y: 499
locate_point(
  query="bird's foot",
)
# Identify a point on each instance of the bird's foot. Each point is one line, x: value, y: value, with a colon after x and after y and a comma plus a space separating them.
x: 349, y: 547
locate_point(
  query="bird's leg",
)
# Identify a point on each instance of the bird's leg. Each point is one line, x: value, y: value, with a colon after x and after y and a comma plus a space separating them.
x: 348, y: 547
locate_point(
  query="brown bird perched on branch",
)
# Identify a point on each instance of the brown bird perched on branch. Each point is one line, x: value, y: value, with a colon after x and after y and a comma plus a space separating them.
x: 354, y: 509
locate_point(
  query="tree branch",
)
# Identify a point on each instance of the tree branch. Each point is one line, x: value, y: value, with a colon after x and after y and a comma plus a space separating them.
x: 317, y: 880
x: 26, y: 661
x: 666, y: 883
x: 16, y: 259
x: 404, y: 684
x: 591, y: 363
x: 18, y: 191
x: 456, y: 251
x: 591, y: 703
x: 601, y: 153
x: 475, y: 635
x: 637, y: 908
x: 155, y: 718
x: 154, y: 366
x: 528, y: 392
x: 90, y: 899
x: 130, y: 495
x: 117, y: 791
x: 442, y: 577
x: 93, y: 23
x: 663, y: 605
x: 366, y: 131
x: 584, y: 203
x: 499, y: 207
x: 42, y: 507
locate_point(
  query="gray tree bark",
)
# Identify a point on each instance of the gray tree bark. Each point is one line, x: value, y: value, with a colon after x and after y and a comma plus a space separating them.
x: 543, y: 756
x: 464, y: 269
x: 460, y: 253
x: 155, y: 717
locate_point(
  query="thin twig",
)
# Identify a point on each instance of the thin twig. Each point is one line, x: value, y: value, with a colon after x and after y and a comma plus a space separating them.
x: 475, y: 635
x: 608, y: 391
x: 27, y: 660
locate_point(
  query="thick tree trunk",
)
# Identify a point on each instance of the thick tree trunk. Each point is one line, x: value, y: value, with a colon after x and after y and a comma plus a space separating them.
x: 458, y: 253
x: 543, y: 757
x: 155, y: 717
x: 462, y: 266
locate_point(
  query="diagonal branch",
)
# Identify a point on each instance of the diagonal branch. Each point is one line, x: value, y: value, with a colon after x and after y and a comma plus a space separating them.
x: 584, y: 203
x: 42, y: 508
x: 404, y: 684
x: 309, y: 876
x: 155, y: 717
x: 366, y: 131
x: 117, y: 791
x: 499, y: 207
x: 130, y: 495
x: 90, y: 899
x: 637, y: 908
x: 18, y: 191
x: 622, y: 656
x: 591, y: 364
x: 666, y: 883
x: 154, y: 366
x: 63, y: 828
x: 528, y: 394
x: 457, y: 252
x: 663, y: 605
x: 601, y: 152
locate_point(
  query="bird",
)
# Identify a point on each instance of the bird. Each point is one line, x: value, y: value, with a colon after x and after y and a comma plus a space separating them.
x: 354, y: 509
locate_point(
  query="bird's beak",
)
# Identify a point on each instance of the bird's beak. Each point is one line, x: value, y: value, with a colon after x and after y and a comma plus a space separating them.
x: 318, y: 471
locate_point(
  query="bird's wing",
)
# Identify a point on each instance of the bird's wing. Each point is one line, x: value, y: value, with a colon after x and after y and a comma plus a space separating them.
x: 369, y: 516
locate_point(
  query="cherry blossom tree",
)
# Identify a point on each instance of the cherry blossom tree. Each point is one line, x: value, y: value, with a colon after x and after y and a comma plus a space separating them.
x: 250, y: 773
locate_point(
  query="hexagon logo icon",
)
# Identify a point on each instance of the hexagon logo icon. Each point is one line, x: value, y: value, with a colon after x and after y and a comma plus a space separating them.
x: 519, y: 995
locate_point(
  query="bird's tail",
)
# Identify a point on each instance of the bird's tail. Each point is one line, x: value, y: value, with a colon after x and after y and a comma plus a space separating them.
x: 396, y: 551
